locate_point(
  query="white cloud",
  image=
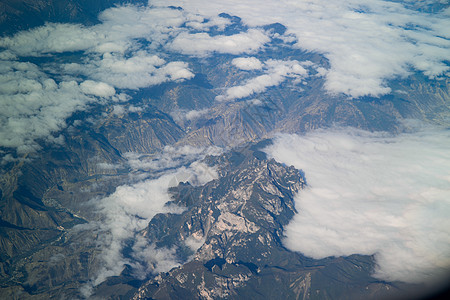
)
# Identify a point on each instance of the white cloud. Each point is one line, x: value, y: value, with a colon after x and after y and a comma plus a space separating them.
x: 35, y: 107
x: 202, y: 44
x: 119, y: 110
x: 7, y: 55
x: 202, y: 173
x: 255, y: 102
x: 36, y: 102
x: 366, y: 42
x: 195, y: 241
x: 276, y: 71
x: 204, y: 25
x: 128, y: 211
x: 118, y: 29
x: 133, y: 108
x: 184, y: 160
x: 51, y: 38
x: 152, y: 259
x: 99, y: 89
x: 142, y: 69
x: 247, y: 63
x: 180, y: 115
x: 195, y: 114
x: 371, y: 193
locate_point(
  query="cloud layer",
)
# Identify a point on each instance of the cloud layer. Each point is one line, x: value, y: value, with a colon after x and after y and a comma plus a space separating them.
x: 247, y: 63
x: 124, y: 51
x: 366, y: 42
x: 370, y: 193
x: 126, y: 212
x: 118, y: 53
x: 202, y: 44
x: 34, y: 106
x: 275, y: 72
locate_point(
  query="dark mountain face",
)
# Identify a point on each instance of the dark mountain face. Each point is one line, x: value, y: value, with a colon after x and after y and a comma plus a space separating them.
x: 18, y: 15
x: 44, y: 198
x: 233, y: 227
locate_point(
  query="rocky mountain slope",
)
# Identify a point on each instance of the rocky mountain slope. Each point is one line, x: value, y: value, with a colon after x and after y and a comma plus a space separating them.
x: 232, y: 230
x: 228, y: 240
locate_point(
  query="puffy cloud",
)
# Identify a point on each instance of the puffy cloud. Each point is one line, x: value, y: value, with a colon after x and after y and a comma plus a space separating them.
x: 51, y: 38
x: 119, y: 27
x: 184, y: 115
x: 7, y: 55
x: 202, y: 44
x: 202, y: 24
x: 194, y: 114
x: 37, y: 99
x: 372, y: 193
x: 35, y: 107
x: 247, y: 63
x: 119, y: 110
x: 133, y: 108
x: 366, y: 42
x: 99, y: 89
x: 276, y: 71
x: 140, y: 70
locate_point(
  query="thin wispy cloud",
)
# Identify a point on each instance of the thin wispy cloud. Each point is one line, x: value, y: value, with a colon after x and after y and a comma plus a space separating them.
x: 170, y: 158
x: 128, y: 211
x: 373, y: 194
